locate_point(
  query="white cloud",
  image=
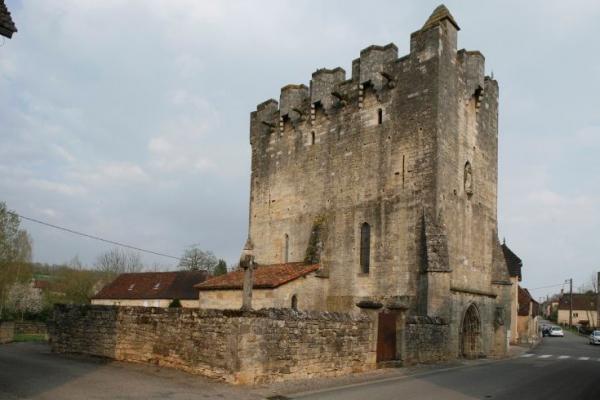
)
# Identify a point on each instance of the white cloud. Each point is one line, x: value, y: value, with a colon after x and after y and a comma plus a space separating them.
x: 184, y: 140
x: 57, y: 187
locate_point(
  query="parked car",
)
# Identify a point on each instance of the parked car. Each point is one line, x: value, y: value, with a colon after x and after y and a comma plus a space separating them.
x: 546, y: 330
x: 556, y: 331
x: 595, y: 337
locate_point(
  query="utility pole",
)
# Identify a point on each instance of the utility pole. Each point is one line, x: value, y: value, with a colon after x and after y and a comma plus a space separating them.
x: 597, y: 325
x: 570, y: 302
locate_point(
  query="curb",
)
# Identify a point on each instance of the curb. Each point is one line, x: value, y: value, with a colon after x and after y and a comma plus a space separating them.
x: 477, y: 363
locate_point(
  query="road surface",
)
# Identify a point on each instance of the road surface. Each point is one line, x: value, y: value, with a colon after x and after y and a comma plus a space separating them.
x: 560, y: 368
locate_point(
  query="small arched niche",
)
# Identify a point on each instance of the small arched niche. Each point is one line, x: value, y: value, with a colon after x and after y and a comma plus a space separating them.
x: 468, y: 179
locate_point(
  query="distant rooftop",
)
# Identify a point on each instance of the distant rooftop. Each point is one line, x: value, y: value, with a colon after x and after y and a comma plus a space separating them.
x: 154, y: 285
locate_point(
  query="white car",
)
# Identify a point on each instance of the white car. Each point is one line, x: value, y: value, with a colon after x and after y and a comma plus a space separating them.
x: 556, y: 331
x: 595, y: 337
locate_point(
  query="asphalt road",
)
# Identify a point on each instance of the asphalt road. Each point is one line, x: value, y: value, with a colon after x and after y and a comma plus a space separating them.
x: 560, y: 368
x: 30, y: 371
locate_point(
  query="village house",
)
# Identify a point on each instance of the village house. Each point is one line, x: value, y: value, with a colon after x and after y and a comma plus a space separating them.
x: 384, y: 185
x: 514, y: 264
x: 584, y: 311
x: 527, y: 318
x: 291, y: 285
x: 152, y: 289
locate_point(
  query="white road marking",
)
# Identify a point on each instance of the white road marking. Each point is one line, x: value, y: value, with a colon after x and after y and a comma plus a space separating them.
x: 545, y: 356
x: 583, y: 358
x: 563, y: 357
x: 527, y: 355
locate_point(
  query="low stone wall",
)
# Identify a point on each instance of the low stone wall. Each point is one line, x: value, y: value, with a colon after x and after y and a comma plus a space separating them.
x: 236, y: 346
x: 31, y: 328
x: 427, y: 340
x: 7, y: 332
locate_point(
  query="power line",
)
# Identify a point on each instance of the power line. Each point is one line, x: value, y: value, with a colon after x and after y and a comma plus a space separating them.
x: 37, y: 221
x: 546, y: 287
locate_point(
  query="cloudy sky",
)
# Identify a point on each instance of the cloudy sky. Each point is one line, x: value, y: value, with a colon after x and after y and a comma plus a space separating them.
x: 129, y: 119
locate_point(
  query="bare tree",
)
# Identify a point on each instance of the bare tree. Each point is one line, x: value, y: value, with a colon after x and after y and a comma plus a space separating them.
x: 117, y: 261
x: 195, y: 259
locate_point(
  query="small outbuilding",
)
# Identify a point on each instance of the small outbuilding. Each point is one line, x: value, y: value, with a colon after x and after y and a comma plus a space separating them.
x: 152, y: 289
x: 527, y: 320
x: 289, y: 285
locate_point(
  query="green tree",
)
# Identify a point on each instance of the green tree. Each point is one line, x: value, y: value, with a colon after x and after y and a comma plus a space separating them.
x: 15, y: 253
x: 15, y: 243
x: 221, y: 268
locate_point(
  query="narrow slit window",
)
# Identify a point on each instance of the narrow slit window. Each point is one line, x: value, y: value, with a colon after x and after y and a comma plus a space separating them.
x: 312, y: 138
x: 365, y: 248
x: 294, y: 302
x: 379, y: 116
x: 286, y: 250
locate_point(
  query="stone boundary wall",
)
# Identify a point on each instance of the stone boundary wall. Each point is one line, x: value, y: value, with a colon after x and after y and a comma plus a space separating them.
x: 31, y: 328
x: 249, y: 347
x: 427, y: 340
x: 7, y: 332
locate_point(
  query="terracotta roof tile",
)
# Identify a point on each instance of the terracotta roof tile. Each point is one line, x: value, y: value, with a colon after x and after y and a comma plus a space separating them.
x: 7, y: 26
x: 581, y: 301
x: 38, y: 284
x: 265, y: 276
x: 154, y: 285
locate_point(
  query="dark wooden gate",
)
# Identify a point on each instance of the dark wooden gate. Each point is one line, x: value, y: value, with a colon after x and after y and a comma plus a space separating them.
x: 470, y: 332
x: 386, y: 337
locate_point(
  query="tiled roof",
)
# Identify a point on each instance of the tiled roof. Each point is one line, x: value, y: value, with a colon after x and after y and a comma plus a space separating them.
x: 525, y: 300
x: 513, y: 262
x: 265, y: 276
x: 154, y: 285
x: 38, y: 284
x: 439, y: 14
x: 581, y: 301
x: 7, y: 26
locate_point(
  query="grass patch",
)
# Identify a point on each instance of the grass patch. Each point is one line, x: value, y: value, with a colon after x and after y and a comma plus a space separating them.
x: 22, y: 337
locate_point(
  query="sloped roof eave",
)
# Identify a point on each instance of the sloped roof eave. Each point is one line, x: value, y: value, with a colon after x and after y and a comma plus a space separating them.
x: 234, y: 280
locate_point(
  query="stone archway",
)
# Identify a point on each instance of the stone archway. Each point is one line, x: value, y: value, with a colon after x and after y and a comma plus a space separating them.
x: 470, y: 334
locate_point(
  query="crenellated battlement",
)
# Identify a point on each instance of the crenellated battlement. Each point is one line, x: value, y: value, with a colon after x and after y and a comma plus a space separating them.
x: 377, y: 68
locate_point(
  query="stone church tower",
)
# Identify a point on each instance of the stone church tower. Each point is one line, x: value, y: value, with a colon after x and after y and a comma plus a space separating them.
x: 387, y: 179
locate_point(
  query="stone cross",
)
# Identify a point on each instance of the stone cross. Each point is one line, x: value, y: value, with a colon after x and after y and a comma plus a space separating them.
x: 247, y: 263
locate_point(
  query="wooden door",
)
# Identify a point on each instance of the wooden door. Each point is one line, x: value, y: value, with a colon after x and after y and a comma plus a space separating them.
x: 386, y: 337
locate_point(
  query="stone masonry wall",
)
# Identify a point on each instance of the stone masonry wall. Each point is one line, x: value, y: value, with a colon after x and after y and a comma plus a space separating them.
x: 7, y: 332
x: 30, y: 328
x: 236, y: 346
x: 426, y: 340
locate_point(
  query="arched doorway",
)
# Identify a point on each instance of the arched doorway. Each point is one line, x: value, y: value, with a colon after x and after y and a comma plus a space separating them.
x: 470, y: 333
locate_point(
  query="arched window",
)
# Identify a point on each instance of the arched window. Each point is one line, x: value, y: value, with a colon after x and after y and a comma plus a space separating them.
x: 312, y: 138
x: 294, y: 302
x: 365, y: 248
x: 286, y: 249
